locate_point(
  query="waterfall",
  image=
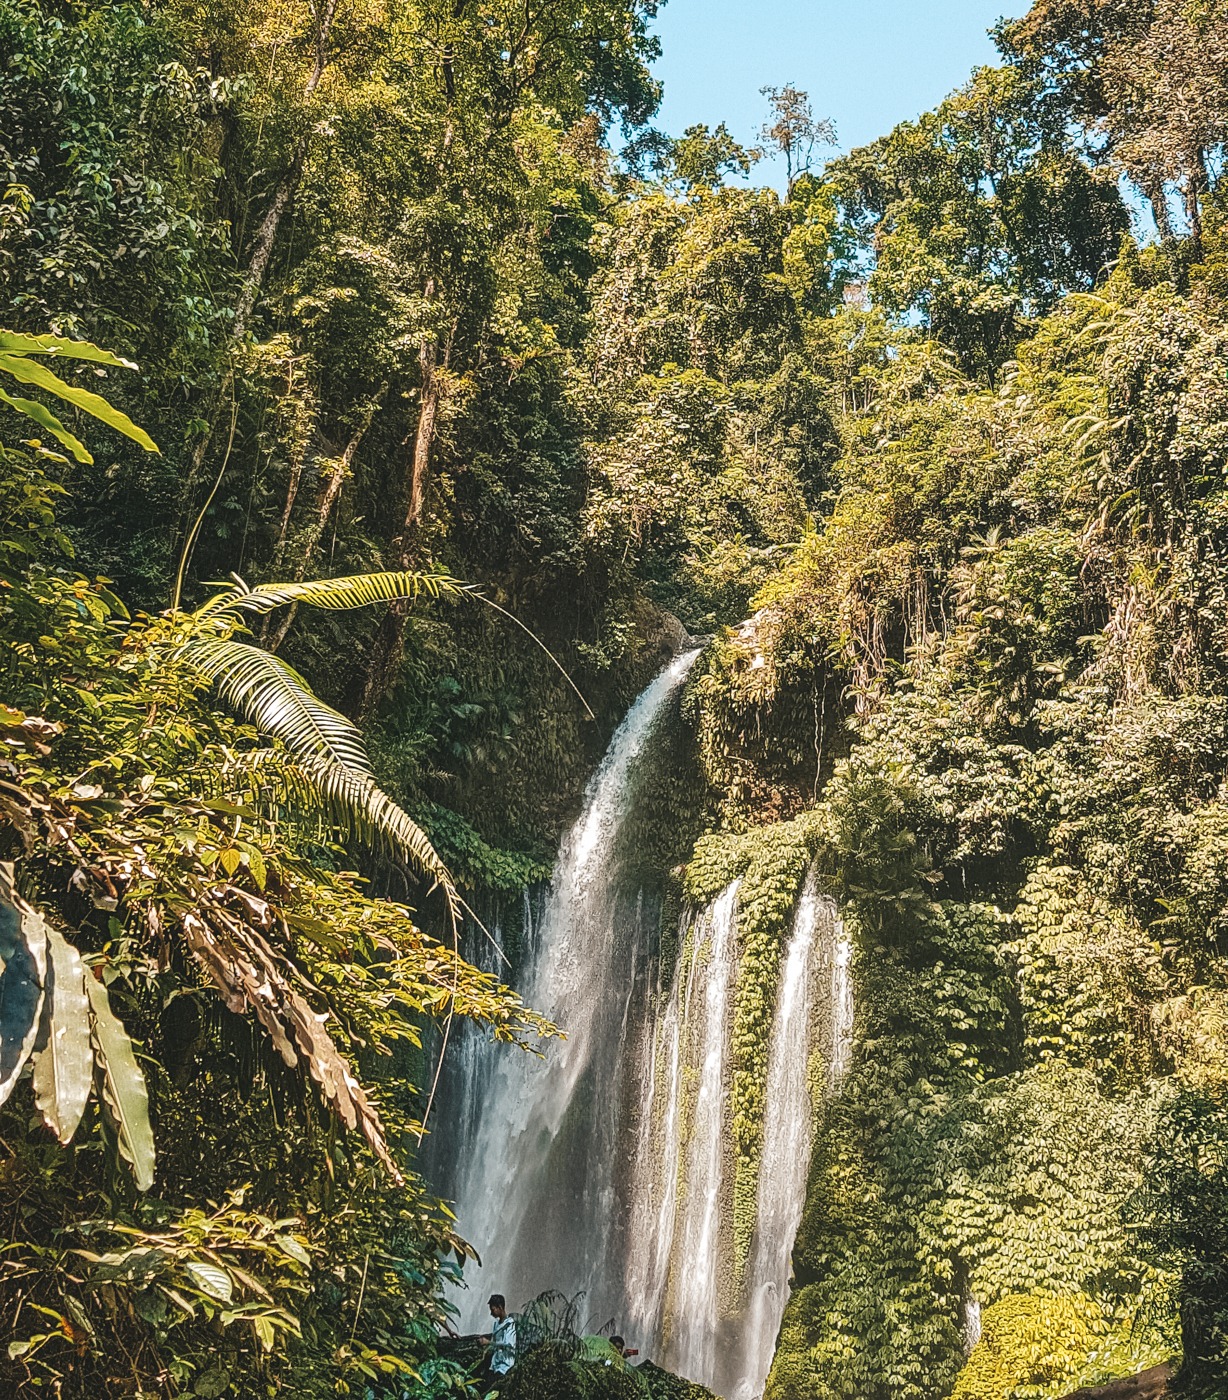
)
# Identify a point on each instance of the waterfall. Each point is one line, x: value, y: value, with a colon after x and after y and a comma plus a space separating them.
x: 972, y: 1328
x: 537, y: 1194
x: 606, y: 1166
x: 840, y: 1035
x: 690, y: 1335
x: 817, y: 938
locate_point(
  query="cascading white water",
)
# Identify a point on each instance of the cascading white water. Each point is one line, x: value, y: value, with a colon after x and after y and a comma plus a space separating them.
x: 801, y: 1019
x: 787, y: 1130
x: 658, y: 1151
x: 536, y: 1196
x: 607, y: 1166
x: 694, y: 1301
x: 841, y: 1031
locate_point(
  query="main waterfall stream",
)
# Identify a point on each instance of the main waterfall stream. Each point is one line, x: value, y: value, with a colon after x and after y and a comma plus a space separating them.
x: 605, y: 1167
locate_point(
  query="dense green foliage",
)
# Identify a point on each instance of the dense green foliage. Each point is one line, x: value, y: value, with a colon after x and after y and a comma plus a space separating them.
x: 1025, y: 839
x: 932, y: 445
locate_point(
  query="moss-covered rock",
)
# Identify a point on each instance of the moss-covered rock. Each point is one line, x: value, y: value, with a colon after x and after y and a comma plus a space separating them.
x: 663, y: 1385
x: 548, y: 1373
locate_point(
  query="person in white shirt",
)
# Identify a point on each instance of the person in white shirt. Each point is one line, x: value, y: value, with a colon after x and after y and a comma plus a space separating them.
x: 502, y: 1338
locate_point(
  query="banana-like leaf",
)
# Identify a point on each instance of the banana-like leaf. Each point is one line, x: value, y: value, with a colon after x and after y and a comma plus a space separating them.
x: 338, y: 594
x: 47, y: 420
x: 278, y: 701
x: 28, y: 371
x: 23, y: 951
x: 123, y: 1085
x: 63, y: 1057
x: 15, y: 344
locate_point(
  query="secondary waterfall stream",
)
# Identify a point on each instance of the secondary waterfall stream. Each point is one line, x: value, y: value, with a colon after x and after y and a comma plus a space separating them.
x: 606, y: 1166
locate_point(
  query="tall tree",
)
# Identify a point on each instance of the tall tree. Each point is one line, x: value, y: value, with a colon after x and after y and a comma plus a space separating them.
x: 978, y: 216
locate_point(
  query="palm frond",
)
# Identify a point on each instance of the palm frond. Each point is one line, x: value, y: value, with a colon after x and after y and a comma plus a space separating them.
x: 338, y: 594
x: 355, y: 802
x: 362, y: 591
x: 278, y: 701
x: 326, y: 748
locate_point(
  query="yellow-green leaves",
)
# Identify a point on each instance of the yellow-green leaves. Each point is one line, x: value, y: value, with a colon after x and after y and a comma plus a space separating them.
x: 19, y: 358
x: 338, y: 594
x: 232, y: 1267
x: 11, y: 343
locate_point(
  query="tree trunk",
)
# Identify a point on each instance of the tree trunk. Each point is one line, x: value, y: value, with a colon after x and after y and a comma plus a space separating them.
x: 331, y: 483
x: 404, y: 552
x: 1158, y: 199
x: 424, y: 435
x: 389, y: 645
x: 262, y: 252
x: 1197, y: 185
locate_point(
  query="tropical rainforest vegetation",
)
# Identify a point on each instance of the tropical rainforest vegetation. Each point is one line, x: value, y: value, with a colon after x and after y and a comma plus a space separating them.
x: 371, y: 370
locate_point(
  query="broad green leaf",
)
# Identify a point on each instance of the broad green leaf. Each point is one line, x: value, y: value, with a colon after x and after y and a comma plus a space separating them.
x: 210, y: 1279
x: 264, y: 1330
x: 289, y: 1245
x: 123, y: 1085
x: 15, y: 344
x: 63, y: 1057
x: 23, y: 953
x: 47, y: 420
x: 151, y: 1305
x: 212, y: 1383
x: 29, y: 372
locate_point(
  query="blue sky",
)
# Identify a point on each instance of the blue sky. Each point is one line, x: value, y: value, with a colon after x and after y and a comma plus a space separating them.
x: 867, y: 64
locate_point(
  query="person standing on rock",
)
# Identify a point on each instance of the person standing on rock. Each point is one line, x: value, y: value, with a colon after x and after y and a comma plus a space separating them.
x: 502, y: 1339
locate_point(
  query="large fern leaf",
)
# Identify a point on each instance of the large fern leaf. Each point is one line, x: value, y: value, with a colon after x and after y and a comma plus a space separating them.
x: 356, y: 802
x: 275, y: 698
x: 337, y: 594
x: 278, y: 701
x: 328, y: 749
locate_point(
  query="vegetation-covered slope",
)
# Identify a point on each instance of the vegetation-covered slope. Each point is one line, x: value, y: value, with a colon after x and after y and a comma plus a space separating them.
x: 928, y: 442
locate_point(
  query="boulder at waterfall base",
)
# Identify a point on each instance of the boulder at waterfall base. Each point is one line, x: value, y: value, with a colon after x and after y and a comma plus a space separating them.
x: 1149, y: 1385
x: 548, y: 1374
